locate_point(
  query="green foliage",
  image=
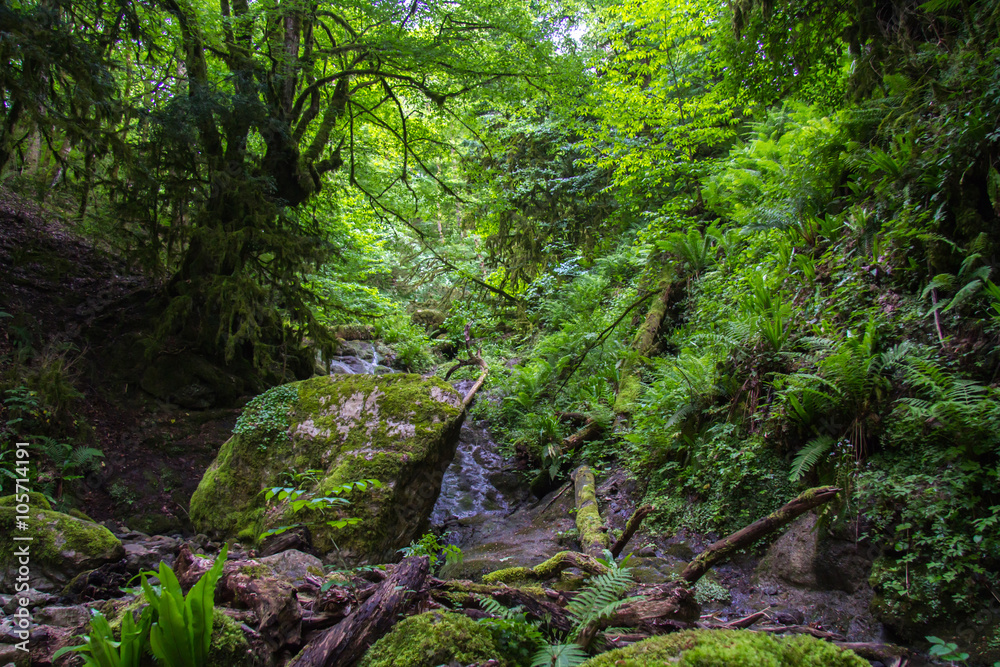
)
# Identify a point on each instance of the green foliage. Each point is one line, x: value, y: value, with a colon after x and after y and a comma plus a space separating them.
x: 177, y: 629
x: 265, y: 418
x: 940, y: 500
x: 182, y: 632
x: 430, y: 545
x: 292, y: 500
x: 100, y: 648
x: 603, y: 595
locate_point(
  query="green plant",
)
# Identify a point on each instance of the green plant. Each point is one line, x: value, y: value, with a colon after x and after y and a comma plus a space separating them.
x: 182, y: 632
x: 430, y: 545
x: 176, y: 628
x: 946, y: 650
x: 122, y: 493
x: 300, y: 500
x: 265, y: 418
x: 100, y: 649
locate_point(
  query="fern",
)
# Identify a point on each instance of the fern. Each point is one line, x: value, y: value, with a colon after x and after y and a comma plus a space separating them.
x: 809, y: 456
x: 559, y: 655
x: 603, y: 596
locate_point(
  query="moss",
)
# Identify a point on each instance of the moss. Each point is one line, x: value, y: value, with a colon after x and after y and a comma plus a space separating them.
x: 728, y: 648
x: 432, y: 639
x: 256, y: 571
x: 59, y: 539
x: 510, y: 575
x: 396, y: 429
x: 35, y: 501
x: 230, y: 647
x: 588, y: 517
x: 73, y: 512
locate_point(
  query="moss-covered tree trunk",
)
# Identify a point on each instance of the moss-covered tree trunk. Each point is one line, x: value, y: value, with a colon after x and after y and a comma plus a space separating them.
x: 593, y: 538
x: 643, y: 344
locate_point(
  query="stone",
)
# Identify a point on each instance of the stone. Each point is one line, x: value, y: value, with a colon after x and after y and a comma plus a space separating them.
x: 10, y: 655
x: 34, y: 597
x: 63, y: 617
x: 792, y: 557
x: 63, y: 546
x: 294, y: 566
x: 400, y: 429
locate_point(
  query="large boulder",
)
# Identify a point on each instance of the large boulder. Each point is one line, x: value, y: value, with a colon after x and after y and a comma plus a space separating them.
x: 62, y: 546
x: 399, y: 429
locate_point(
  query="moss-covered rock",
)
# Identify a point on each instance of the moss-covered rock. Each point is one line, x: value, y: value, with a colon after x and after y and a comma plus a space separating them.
x: 399, y: 429
x: 728, y: 648
x: 62, y: 546
x: 432, y: 639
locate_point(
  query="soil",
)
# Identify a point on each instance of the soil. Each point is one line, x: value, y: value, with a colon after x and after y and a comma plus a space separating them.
x: 74, y: 308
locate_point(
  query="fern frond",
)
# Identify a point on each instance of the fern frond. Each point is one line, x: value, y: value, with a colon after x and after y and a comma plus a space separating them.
x: 810, y: 455
x: 559, y: 655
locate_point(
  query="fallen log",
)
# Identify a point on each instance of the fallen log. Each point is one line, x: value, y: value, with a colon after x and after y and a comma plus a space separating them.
x: 593, y: 539
x: 346, y: 642
x: 630, y: 528
x: 273, y: 601
x: 549, y: 569
x: 744, y: 537
x: 591, y: 431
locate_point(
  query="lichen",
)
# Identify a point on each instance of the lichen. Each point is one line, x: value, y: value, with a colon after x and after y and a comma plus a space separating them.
x: 727, y: 648
x: 431, y: 639
x: 256, y: 571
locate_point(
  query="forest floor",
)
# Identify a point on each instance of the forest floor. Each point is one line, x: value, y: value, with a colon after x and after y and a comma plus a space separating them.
x: 69, y: 303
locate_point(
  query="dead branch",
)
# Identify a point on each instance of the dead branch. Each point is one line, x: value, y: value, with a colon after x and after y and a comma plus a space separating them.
x: 721, y: 550
x: 630, y: 528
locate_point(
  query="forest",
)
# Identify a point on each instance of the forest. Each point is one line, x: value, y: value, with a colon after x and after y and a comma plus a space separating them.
x: 500, y: 333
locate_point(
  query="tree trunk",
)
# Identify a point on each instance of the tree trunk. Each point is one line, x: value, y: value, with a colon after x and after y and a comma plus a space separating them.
x: 345, y: 643
x: 593, y: 538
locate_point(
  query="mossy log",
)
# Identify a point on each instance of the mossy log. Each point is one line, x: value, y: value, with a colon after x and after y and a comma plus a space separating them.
x: 345, y: 643
x: 630, y: 529
x: 593, y: 538
x: 643, y: 343
x: 272, y: 600
x: 744, y: 537
x: 591, y: 431
x: 549, y: 569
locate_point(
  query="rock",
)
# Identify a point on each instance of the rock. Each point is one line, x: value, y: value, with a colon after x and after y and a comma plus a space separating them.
x: 63, y: 617
x: 792, y: 557
x: 807, y: 557
x: 10, y: 655
x: 400, y: 429
x: 33, y: 597
x: 147, y: 553
x: 103, y: 583
x: 294, y: 566
x: 63, y: 546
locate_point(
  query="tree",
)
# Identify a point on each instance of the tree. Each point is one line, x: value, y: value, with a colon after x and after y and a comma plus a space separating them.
x: 263, y: 102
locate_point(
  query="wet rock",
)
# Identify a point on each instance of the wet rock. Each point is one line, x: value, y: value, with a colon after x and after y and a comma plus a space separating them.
x: 10, y: 655
x: 103, y: 583
x: 792, y: 558
x: 34, y: 599
x: 400, y: 429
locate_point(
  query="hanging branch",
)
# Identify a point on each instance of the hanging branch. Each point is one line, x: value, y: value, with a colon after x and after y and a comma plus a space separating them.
x: 600, y: 339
